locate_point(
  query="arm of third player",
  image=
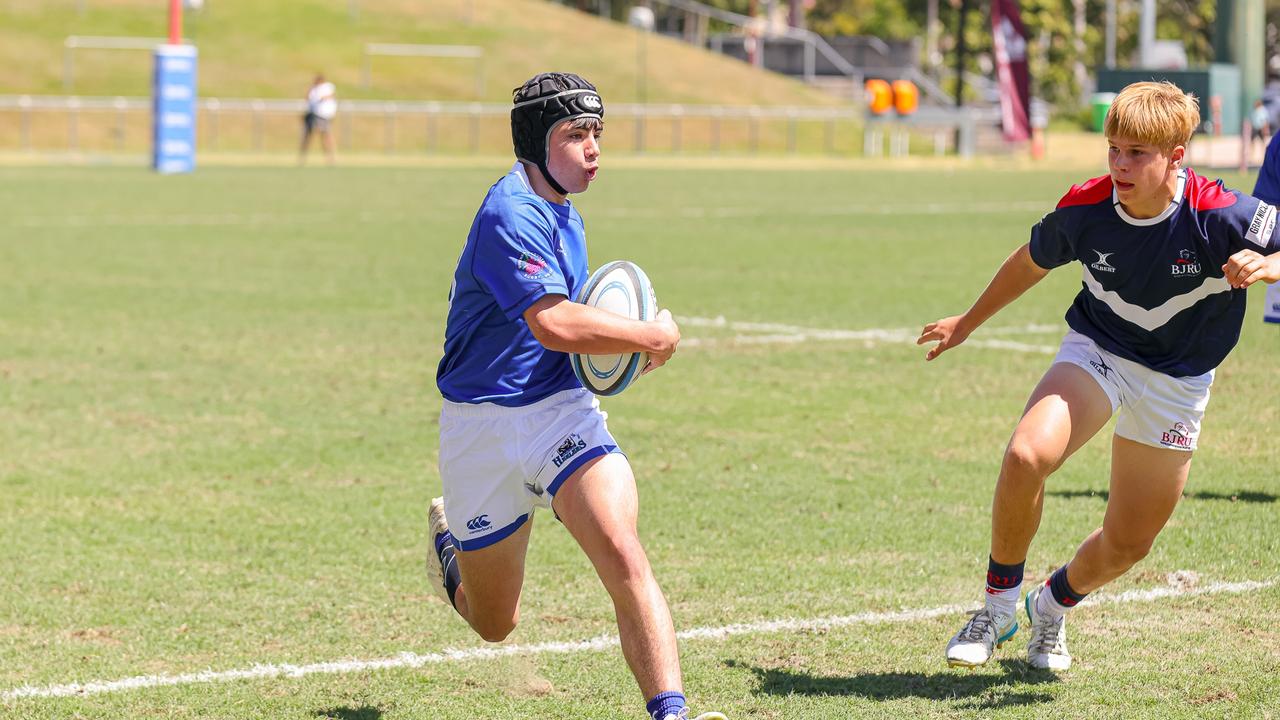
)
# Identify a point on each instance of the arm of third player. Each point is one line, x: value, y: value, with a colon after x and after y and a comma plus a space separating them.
x: 1017, y: 275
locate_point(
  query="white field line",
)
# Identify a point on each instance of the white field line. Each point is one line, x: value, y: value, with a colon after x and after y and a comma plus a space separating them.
x: 161, y: 220
x: 753, y: 333
x: 216, y: 219
x: 605, y: 642
x: 850, y: 209
x: 212, y: 219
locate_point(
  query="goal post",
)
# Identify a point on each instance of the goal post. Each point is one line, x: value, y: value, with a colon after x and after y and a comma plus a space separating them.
x: 173, y: 101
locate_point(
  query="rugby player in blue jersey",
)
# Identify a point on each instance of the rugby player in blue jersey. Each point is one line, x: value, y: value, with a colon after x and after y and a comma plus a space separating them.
x: 1166, y: 258
x: 517, y: 429
x: 1267, y: 189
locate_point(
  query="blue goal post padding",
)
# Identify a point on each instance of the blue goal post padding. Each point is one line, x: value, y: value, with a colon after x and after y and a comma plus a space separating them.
x: 173, y: 104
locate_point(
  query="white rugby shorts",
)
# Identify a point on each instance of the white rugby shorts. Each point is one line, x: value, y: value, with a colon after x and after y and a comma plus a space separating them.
x: 500, y: 463
x: 1151, y: 407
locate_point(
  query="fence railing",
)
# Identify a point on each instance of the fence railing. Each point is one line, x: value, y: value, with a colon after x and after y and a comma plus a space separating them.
x: 814, y: 43
x: 123, y: 125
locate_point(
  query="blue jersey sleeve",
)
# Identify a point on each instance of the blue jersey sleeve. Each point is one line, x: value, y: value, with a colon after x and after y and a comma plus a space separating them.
x: 1051, y: 245
x: 1252, y: 225
x: 1267, y: 189
x: 515, y: 258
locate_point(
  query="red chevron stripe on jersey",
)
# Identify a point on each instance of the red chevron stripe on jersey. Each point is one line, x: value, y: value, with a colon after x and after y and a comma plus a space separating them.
x: 1206, y: 194
x: 1137, y: 301
x: 1092, y: 191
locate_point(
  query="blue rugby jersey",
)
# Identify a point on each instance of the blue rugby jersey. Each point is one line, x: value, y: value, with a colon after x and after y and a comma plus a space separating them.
x: 1267, y: 187
x: 1153, y: 289
x: 520, y: 248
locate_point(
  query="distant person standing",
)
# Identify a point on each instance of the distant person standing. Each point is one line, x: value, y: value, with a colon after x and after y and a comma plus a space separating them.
x: 1260, y: 120
x: 322, y: 105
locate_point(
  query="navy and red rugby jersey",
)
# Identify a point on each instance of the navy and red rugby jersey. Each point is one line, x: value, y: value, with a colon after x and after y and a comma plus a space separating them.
x: 1153, y: 289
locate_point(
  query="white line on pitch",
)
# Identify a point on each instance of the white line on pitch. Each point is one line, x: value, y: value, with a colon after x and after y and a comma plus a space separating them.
x: 219, y: 219
x: 754, y: 333
x: 216, y: 219
x: 828, y: 211
x: 212, y: 219
x: 604, y: 642
x: 161, y: 220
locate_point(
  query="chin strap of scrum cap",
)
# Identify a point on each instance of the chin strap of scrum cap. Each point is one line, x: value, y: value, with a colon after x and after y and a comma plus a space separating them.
x: 546, y: 101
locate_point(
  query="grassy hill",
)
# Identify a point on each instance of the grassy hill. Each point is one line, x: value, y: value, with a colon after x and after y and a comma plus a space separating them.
x: 271, y: 48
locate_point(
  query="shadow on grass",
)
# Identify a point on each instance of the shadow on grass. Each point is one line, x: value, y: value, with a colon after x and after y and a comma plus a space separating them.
x: 1248, y: 496
x: 972, y: 690
x: 364, y: 712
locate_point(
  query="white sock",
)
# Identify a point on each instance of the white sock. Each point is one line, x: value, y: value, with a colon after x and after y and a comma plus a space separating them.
x: 1047, y: 607
x: 1004, y: 602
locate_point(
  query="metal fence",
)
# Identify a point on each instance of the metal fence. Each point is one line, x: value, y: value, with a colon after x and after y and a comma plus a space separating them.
x: 123, y: 125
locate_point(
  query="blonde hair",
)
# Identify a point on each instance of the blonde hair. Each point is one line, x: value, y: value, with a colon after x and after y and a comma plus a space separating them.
x: 1155, y: 113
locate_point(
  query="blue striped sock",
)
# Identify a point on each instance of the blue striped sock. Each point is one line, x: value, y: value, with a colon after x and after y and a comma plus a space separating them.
x: 664, y: 704
x: 1061, y: 589
x: 1060, y: 597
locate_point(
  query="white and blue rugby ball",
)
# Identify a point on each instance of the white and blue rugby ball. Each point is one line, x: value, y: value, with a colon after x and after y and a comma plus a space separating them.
x: 620, y: 287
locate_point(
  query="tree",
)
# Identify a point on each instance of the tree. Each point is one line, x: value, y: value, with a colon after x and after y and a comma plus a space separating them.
x: 1053, y: 46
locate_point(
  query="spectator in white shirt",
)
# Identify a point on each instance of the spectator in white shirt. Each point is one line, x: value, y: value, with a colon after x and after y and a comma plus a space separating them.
x: 321, y: 107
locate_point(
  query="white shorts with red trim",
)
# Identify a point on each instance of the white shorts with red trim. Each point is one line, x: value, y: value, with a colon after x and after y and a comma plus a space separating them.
x: 1151, y: 407
x: 500, y: 463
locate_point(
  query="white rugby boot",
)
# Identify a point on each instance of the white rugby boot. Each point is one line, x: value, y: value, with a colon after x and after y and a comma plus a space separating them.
x: 684, y: 715
x: 1047, y: 648
x: 435, y: 566
x: 977, y: 641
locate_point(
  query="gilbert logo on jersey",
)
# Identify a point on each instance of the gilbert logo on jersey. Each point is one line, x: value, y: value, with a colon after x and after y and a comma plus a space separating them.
x: 1102, y: 263
x: 1186, y: 265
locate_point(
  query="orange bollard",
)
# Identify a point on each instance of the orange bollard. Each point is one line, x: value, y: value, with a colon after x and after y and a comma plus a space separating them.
x: 906, y: 97
x: 879, y: 96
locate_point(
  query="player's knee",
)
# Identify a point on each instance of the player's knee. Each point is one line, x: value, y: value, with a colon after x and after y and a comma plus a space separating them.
x: 1025, y: 460
x: 497, y: 635
x: 1128, y: 551
x: 495, y: 630
x: 625, y: 562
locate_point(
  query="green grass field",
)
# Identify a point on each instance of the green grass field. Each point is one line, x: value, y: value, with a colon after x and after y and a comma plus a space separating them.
x: 218, y: 439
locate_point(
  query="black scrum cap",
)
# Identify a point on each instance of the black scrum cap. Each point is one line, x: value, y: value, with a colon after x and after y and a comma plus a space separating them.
x: 541, y: 104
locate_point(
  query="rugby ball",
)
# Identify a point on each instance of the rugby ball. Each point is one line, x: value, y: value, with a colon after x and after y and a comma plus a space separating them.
x: 619, y: 287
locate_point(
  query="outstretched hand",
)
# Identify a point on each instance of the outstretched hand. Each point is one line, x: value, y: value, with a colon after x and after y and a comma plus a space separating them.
x: 946, y: 332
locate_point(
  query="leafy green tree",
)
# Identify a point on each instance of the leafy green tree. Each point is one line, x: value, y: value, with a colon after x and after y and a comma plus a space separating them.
x: 864, y: 17
x: 1053, y: 51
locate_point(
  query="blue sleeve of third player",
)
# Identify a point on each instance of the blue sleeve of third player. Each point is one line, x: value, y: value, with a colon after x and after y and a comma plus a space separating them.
x: 515, y: 257
x: 1267, y: 188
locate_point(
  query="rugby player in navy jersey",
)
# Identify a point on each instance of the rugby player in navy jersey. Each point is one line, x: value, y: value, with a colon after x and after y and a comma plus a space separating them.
x: 517, y: 429
x: 1166, y: 258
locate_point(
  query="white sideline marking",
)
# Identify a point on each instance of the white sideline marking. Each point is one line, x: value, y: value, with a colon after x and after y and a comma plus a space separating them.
x: 192, y: 219
x: 829, y: 211
x: 216, y: 219
x: 158, y: 220
x: 753, y: 333
x: 604, y: 642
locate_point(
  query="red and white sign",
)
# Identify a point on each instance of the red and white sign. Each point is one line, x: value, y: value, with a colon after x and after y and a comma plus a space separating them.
x: 1010, y: 40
